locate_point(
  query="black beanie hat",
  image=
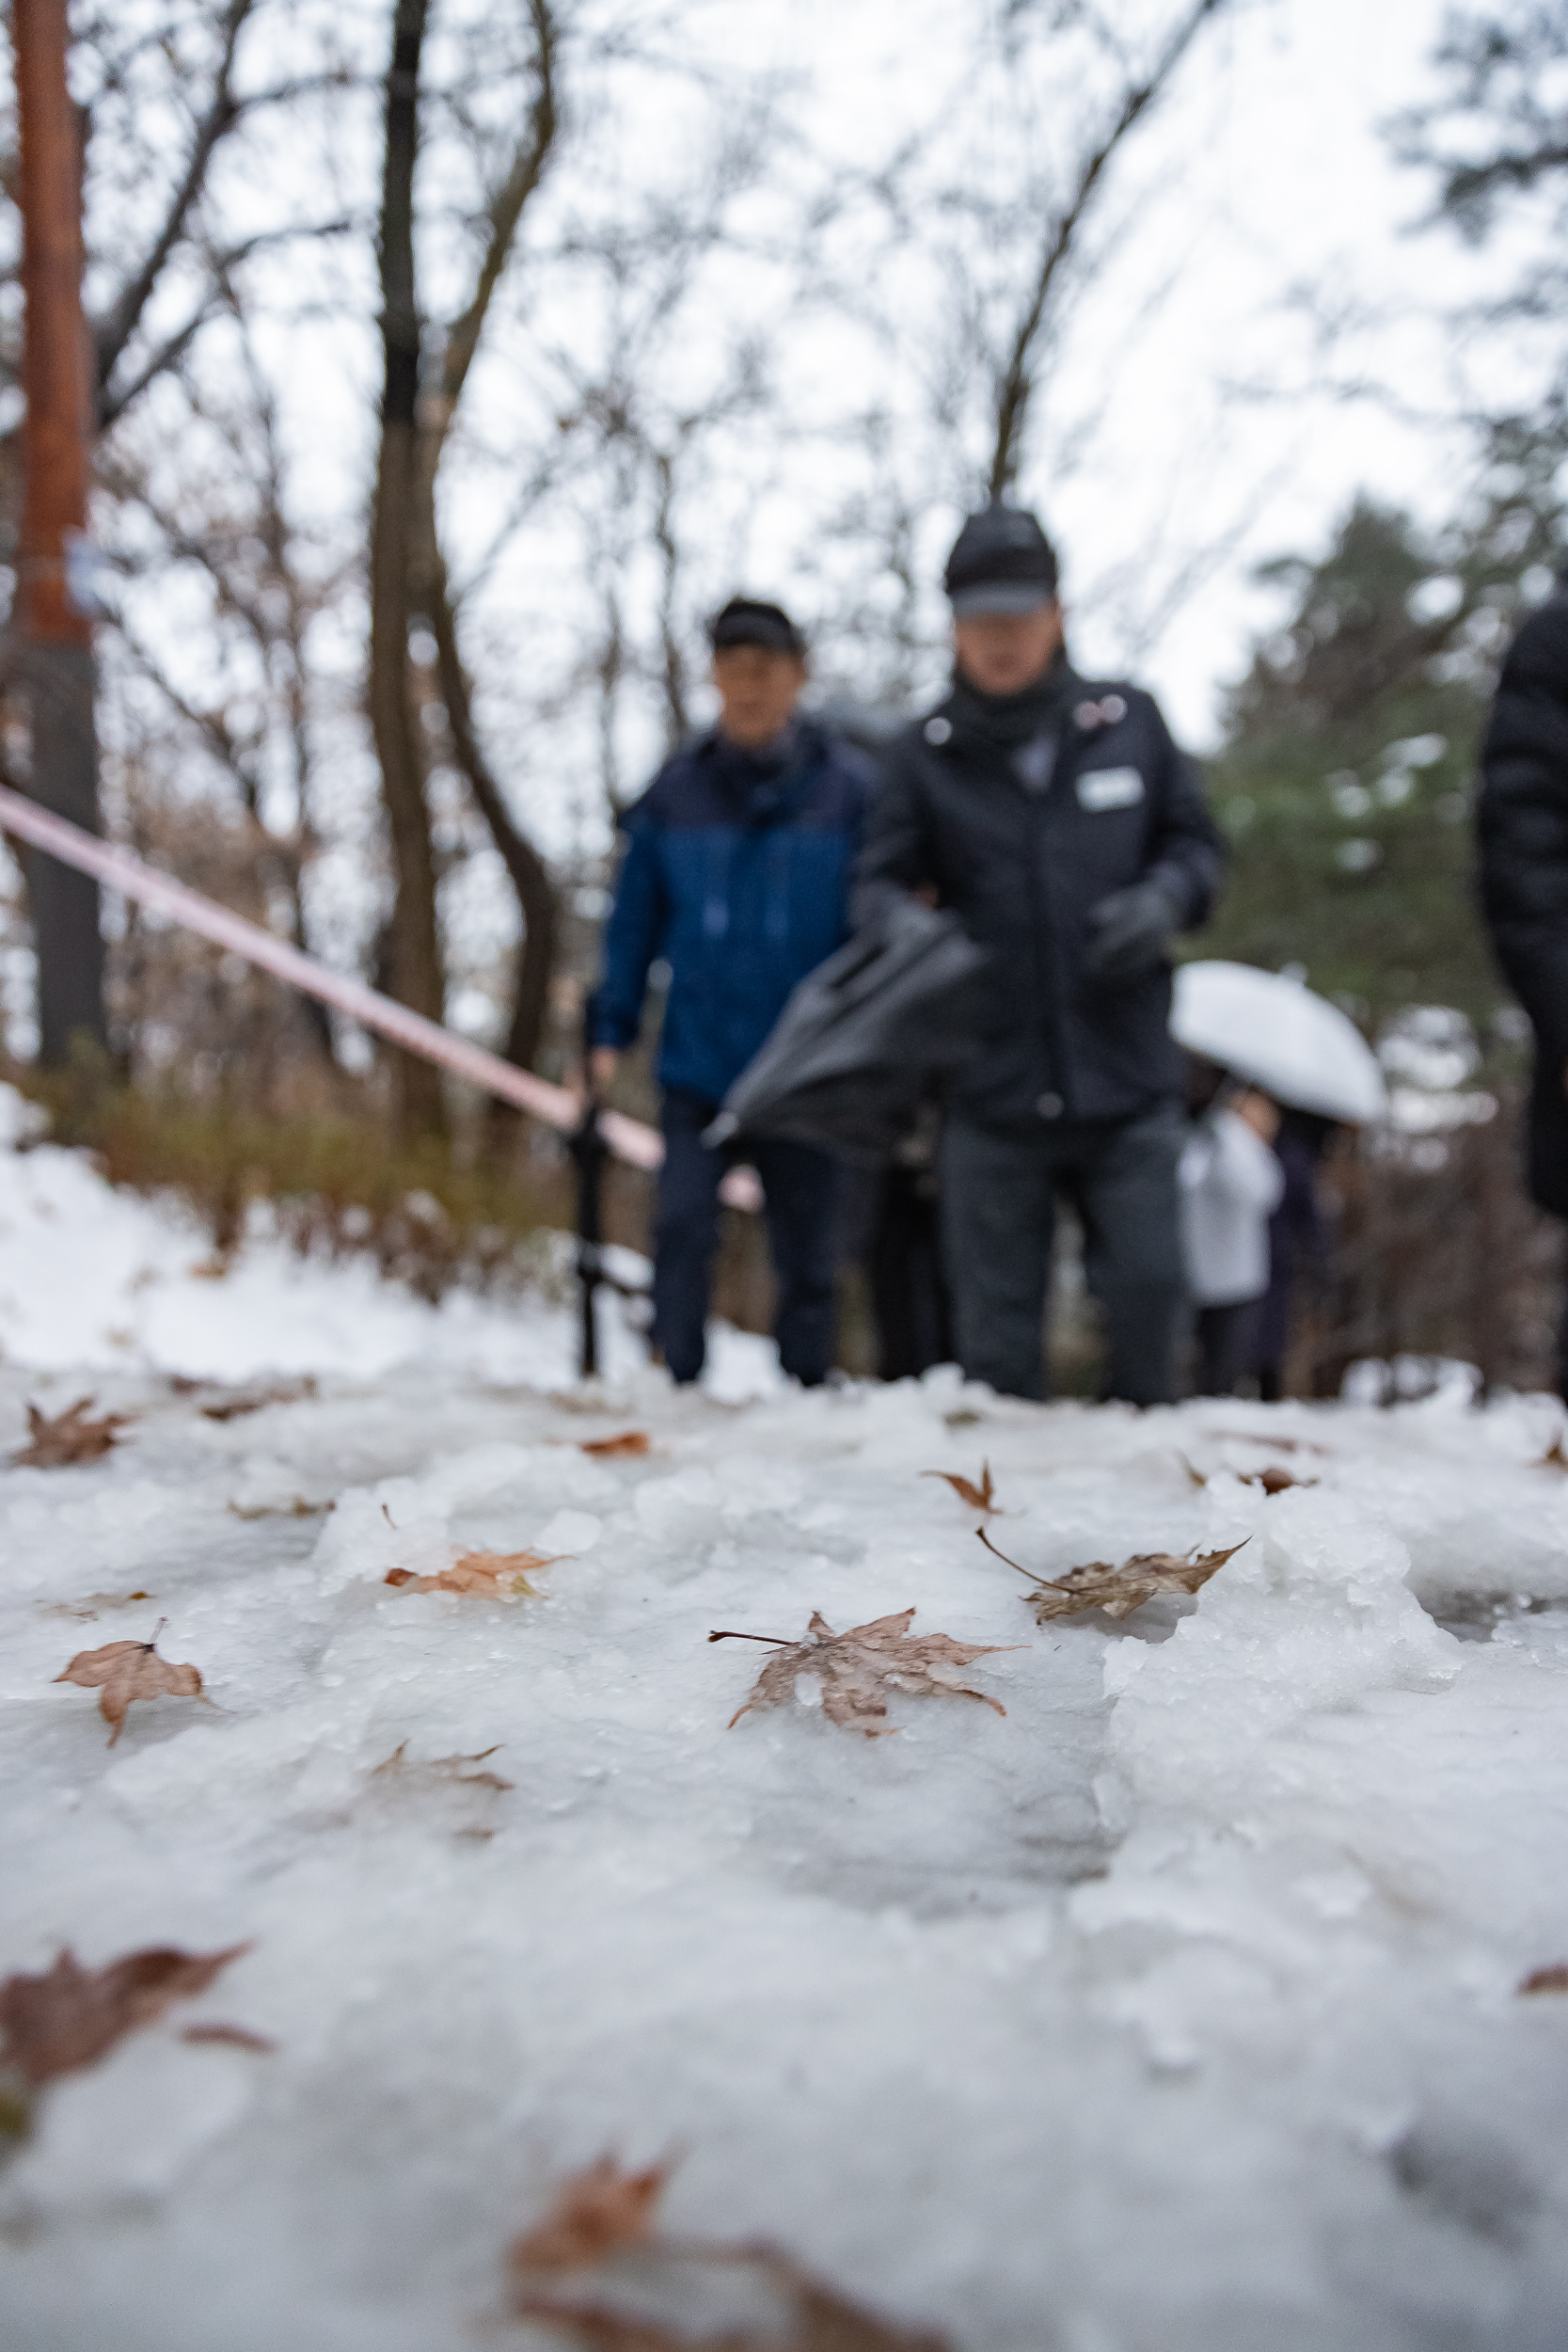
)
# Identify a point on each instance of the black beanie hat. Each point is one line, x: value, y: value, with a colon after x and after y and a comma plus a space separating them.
x: 1002, y: 562
x: 748, y: 621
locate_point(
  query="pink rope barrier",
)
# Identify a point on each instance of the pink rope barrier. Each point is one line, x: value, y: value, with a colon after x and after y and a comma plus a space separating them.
x: 554, y: 1107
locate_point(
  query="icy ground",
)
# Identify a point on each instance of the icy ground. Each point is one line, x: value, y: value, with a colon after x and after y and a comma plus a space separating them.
x: 1175, y: 2011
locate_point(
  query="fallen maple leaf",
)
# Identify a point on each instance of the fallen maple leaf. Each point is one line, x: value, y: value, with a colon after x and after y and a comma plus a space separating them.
x: 443, y: 1767
x: 56, y: 2022
x: 595, y: 2213
x: 978, y: 1496
x: 858, y: 1668
x: 602, y: 2221
x: 629, y: 1441
x: 122, y: 1672
x: 1117, y: 1591
x: 1552, y: 1980
x: 489, y: 1572
x: 230, y: 2036
x: 1272, y: 1480
x: 236, y: 1407
x: 56, y: 1442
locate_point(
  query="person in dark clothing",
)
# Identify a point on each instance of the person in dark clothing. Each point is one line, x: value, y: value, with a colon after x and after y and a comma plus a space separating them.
x: 1297, y: 1242
x: 1522, y: 823
x: 1056, y: 815
x: 736, y: 872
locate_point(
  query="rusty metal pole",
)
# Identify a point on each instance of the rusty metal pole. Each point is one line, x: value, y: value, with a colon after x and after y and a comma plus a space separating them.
x: 53, y: 626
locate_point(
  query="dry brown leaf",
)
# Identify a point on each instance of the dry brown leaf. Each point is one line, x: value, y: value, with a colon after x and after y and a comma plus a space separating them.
x: 122, y: 1672
x: 978, y: 1496
x: 298, y: 1509
x: 1117, y: 1591
x: 491, y: 1572
x: 1254, y: 1437
x: 236, y: 1407
x: 442, y: 1768
x: 1556, y: 1459
x: 595, y: 2213
x: 858, y: 1669
x: 56, y: 2022
x: 230, y: 2036
x: 602, y: 2221
x: 1272, y: 1480
x: 55, y: 1443
x: 1552, y: 1980
x: 629, y: 1441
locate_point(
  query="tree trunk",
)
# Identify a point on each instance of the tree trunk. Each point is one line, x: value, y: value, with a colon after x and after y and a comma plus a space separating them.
x: 531, y: 876
x: 415, y: 971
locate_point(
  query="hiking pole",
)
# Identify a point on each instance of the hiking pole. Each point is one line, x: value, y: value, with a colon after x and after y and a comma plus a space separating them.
x: 590, y: 1151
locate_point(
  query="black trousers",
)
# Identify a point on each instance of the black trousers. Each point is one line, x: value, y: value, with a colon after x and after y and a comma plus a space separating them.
x: 1226, y: 1348
x: 999, y: 1220
x: 802, y: 1187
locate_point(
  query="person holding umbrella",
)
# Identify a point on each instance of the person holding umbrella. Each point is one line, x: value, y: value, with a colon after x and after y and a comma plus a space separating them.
x: 736, y: 873
x: 1058, y: 819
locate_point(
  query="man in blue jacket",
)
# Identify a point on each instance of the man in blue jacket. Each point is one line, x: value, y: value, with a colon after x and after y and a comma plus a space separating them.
x: 736, y: 874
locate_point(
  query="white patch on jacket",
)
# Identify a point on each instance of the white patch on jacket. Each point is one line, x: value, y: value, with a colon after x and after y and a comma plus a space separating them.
x: 1110, y: 787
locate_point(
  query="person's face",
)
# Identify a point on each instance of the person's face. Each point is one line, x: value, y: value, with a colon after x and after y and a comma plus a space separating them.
x: 758, y: 691
x: 1001, y: 653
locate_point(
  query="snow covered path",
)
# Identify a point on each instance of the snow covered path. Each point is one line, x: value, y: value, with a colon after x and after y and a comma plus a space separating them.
x: 1177, y: 2009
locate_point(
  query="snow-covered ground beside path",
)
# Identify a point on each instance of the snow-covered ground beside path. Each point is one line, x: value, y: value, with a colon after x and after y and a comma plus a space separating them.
x: 1176, y: 2008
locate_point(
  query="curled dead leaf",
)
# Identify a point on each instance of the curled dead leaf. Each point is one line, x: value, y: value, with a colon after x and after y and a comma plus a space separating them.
x: 123, y: 1671
x: 629, y: 1441
x: 230, y: 2038
x: 56, y: 1442
x: 979, y: 1498
x: 1550, y: 1980
x: 492, y: 1572
x: 1117, y: 1591
x: 442, y: 1768
x: 1272, y: 1480
x: 858, y: 1668
x: 1555, y: 1458
x: 595, y: 2213
x: 67, y: 2018
x: 594, y: 2271
x: 236, y: 1407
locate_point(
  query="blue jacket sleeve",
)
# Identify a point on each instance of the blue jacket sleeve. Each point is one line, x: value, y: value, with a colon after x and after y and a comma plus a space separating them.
x: 633, y: 937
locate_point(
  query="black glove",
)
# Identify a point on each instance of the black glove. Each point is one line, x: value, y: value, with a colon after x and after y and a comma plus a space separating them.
x: 1130, y: 932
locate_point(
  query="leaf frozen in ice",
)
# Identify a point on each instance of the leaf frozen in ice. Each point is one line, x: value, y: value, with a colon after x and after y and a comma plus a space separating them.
x: 595, y: 2213
x: 858, y: 1669
x: 630, y: 1441
x: 123, y: 1671
x: 979, y: 1498
x: 491, y: 1572
x: 68, y: 2017
x: 594, y: 2271
x: 1117, y: 1591
x: 55, y: 1442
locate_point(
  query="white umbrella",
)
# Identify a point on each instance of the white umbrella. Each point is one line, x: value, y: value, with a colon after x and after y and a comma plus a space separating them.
x: 1273, y: 1031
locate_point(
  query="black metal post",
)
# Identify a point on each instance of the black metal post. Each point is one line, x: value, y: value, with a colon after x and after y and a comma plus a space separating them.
x: 590, y: 1151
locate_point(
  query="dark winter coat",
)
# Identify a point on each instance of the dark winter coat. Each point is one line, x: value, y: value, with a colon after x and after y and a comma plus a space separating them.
x: 1523, y: 826
x: 1024, y: 846
x: 738, y: 877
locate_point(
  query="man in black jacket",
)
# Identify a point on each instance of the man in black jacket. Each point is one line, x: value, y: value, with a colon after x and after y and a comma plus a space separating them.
x: 1059, y: 820
x: 1523, y: 825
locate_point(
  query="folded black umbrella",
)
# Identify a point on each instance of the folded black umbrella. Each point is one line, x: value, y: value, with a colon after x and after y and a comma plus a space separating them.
x: 861, y: 1038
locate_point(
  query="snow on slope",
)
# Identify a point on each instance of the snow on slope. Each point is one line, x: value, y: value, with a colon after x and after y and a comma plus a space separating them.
x: 1175, y: 2010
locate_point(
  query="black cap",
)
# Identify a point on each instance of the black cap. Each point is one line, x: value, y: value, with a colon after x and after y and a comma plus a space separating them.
x: 748, y: 621
x: 1002, y: 562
